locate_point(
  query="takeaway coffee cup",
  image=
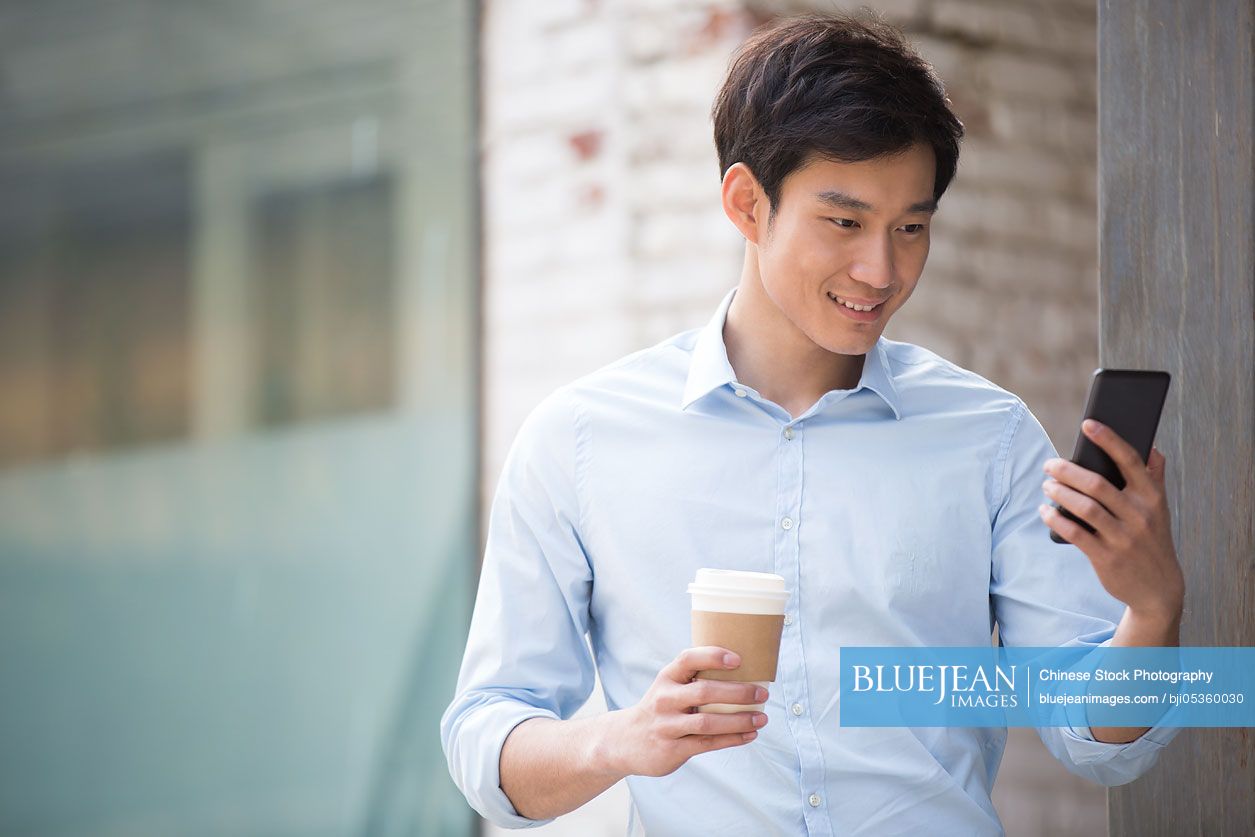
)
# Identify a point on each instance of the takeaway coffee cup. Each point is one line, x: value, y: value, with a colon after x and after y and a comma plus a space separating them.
x: 743, y: 612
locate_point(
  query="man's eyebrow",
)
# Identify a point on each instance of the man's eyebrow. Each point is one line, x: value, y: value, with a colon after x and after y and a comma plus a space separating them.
x: 840, y: 200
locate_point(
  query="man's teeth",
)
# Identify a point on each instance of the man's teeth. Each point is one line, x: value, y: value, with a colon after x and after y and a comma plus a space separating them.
x: 851, y: 304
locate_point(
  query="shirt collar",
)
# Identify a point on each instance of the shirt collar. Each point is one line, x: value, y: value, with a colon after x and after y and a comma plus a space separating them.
x: 710, y: 369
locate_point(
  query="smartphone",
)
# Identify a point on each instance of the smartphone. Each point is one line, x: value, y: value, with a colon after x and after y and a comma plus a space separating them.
x: 1129, y: 401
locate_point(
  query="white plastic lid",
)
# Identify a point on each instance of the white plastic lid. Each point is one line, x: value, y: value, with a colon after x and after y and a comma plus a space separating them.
x: 738, y: 582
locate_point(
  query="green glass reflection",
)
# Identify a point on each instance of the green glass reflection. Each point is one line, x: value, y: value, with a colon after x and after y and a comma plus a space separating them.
x: 238, y: 412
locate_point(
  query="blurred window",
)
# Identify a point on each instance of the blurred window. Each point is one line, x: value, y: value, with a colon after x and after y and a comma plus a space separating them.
x: 94, y: 287
x: 322, y: 285
x: 96, y: 304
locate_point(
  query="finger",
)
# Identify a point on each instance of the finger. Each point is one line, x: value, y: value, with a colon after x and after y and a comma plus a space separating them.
x: 1091, y: 484
x: 701, y: 658
x: 1074, y: 533
x: 1081, y: 505
x: 701, y: 692
x: 695, y: 744
x: 1121, y: 452
x: 1157, y: 465
x: 718, y: 723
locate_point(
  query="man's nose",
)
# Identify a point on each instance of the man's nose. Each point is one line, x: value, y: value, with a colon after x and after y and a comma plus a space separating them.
x: 874, y: 265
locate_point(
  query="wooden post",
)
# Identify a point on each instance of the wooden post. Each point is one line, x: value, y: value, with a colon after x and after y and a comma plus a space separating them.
x: 1177, y: 289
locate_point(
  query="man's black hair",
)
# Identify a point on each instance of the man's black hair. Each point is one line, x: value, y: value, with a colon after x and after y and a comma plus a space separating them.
x: 835, y: 86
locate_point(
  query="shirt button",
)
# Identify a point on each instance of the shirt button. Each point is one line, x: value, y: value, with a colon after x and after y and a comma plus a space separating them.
x: 740, y: 393
x: 796, y: 708
x: 787, y: 523
x: 814, y: 800
x: 788, y: 433
x: 788, y: 619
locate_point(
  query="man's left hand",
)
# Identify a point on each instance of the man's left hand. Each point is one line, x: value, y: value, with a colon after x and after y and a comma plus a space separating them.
x: 1131, y: 548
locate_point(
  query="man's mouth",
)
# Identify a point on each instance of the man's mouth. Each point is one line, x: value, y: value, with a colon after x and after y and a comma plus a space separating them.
x: 857, y: 311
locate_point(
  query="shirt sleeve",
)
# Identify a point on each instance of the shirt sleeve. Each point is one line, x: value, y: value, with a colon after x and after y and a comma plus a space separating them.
x: 1046, y: 594
x: 526, y: 654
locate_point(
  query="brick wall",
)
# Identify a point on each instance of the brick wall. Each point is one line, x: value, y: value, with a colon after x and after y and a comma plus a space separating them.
x: 604, y: 232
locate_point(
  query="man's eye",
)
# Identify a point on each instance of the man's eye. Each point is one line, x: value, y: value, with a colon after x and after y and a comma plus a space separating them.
x: 843, y: 223
x: 913, y: 228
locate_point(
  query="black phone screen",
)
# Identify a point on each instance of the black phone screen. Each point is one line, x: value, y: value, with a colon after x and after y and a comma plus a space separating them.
x: 1130, y: 402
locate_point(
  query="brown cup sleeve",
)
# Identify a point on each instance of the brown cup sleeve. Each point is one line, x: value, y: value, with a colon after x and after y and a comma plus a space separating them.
x: 756, y: 637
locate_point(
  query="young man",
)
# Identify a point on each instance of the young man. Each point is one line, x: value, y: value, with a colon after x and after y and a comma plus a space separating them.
x: 896, y: 493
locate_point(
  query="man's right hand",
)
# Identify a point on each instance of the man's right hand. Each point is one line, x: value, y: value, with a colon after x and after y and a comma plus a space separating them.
x: 550, y: 767
x: 664, y: 730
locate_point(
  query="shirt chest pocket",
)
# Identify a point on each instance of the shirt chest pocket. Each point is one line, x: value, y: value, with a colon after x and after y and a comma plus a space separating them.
x: 936, y: 548
x: 912, y: 574
x: 940, y: 586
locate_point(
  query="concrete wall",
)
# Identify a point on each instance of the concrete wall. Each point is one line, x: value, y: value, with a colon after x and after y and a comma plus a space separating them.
x: 1178, y: 154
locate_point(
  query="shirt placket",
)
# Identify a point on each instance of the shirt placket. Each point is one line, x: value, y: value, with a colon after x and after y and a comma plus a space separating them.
x: 791, y: 682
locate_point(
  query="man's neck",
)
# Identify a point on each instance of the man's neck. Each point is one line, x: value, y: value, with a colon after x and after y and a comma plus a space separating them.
x: 776, y: 359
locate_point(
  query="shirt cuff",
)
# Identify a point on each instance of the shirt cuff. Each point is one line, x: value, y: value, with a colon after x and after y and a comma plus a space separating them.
x: 1085, y: 749
x: 495, y: 722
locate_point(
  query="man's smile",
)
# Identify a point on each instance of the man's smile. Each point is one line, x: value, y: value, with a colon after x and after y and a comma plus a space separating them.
x: 862, y: 313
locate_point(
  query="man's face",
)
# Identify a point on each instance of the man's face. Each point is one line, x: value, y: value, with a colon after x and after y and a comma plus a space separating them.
x: 858, y: 231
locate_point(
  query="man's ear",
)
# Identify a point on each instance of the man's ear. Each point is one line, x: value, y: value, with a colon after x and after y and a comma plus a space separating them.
x: 744, y: 202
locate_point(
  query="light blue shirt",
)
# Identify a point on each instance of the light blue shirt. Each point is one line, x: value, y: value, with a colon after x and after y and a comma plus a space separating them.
x: 900, y: 512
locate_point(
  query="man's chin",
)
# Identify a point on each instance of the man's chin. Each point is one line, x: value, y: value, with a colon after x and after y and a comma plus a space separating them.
x: 849, y: 344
